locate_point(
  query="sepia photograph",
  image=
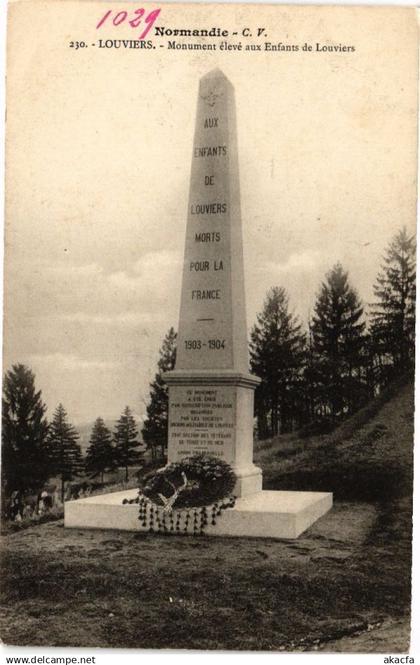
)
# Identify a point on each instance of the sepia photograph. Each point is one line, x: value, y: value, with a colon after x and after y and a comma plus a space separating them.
x: 209, y: 327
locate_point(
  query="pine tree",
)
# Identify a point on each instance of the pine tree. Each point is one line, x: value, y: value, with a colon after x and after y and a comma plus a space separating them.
x: 127, y: 451
x: 100, y: 456
x: 310, y: 377
x: 155, y: 427
x: 24, y: 429
x: 338, y: 341
x: 63, y: 451
x: 393, y: 317
x: 277, y: 352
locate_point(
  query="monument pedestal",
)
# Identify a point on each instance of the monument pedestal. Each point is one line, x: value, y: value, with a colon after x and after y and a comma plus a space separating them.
x: 264, y: 514
x: 212, y: 412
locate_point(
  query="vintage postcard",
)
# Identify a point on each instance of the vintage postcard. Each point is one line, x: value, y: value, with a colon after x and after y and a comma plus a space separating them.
x: 209, y: 326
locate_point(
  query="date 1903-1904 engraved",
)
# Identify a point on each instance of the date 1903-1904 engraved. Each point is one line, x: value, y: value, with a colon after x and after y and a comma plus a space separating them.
x: 197, y: 344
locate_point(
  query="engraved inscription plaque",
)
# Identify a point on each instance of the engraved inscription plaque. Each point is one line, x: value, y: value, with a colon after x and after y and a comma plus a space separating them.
x: 202, y: 420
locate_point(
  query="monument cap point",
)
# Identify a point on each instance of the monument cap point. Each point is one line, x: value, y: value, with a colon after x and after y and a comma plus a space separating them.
x: 214, y: 74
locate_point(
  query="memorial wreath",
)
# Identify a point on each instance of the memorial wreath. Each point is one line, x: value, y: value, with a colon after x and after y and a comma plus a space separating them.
x: 186, y: 496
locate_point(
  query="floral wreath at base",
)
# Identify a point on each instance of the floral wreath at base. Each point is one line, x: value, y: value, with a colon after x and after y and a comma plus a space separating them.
x: 186, y: 496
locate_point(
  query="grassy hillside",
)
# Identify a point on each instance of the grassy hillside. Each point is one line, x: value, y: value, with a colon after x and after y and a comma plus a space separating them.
x: 369, y: 457
x: 343, y: 585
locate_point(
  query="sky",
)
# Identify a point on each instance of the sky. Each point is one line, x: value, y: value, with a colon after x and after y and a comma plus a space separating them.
x: 98, y: 156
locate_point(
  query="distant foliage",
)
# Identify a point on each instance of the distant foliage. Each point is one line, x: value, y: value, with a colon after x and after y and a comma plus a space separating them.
x: 24, y: 429
x: 127, y: 445
x: 64, y: 453
x: 338, y: 339
x: 155, y: 428
x: 392, y: 326
x: 100, y: 456
x: 277, y: 351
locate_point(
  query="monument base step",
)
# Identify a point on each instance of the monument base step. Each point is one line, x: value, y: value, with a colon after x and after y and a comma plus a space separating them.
x: 265, y: 514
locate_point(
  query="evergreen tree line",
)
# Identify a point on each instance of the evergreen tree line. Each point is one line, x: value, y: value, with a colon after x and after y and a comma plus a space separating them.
x: 34, y: 450
x: 313, y: 378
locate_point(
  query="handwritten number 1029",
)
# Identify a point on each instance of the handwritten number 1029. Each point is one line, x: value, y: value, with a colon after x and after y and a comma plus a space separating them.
x: 134, y: 22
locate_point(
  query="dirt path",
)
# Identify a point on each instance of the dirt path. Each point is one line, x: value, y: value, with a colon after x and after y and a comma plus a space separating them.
x: 394, y: 634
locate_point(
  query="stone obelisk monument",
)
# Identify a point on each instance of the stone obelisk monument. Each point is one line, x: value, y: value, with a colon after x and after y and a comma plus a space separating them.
x: 211, y: 393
